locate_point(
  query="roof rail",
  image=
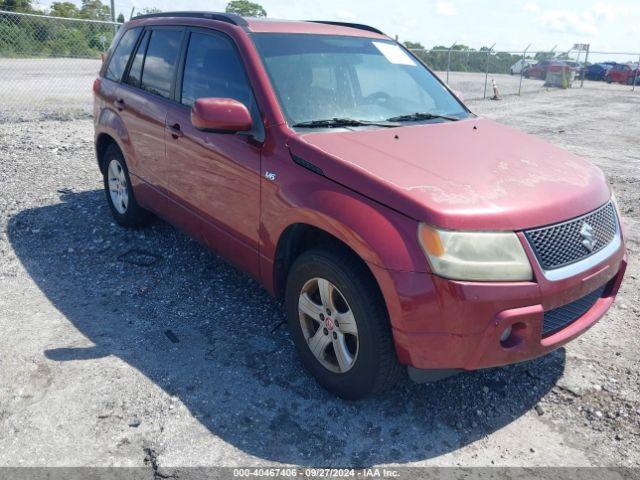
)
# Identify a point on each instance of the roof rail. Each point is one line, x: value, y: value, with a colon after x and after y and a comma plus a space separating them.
x: 359, y: 26
x: 231, y: 18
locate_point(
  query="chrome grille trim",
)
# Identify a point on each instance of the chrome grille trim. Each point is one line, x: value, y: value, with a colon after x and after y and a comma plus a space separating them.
x: 559, y: 249
x: 586, y: 264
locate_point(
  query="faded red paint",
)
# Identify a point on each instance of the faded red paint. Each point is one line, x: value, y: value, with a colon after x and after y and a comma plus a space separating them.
x: 471, y: 174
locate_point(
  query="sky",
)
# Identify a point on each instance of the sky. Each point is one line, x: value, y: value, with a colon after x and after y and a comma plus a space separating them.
x: 612, y: 26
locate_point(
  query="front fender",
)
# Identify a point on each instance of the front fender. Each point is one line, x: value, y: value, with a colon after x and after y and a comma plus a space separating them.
x: 385, y: 239
x: 379, y: 235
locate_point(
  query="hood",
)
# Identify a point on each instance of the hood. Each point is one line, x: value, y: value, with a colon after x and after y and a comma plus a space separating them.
x: 472, y: 174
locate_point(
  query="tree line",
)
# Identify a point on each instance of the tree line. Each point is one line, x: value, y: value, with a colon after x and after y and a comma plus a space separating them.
x: 33, y: 36
x: 466, y: 59
x: 39, y: 36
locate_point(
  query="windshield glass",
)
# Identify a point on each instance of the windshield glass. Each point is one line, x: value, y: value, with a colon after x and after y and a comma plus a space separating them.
x: 319, y: 77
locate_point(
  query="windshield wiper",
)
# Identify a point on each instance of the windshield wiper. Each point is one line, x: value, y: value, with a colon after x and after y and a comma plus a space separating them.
x: 342, y: 122
x: 417, y: 116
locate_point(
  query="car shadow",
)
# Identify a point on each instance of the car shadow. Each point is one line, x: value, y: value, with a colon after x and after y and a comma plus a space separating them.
x: 209, y: 335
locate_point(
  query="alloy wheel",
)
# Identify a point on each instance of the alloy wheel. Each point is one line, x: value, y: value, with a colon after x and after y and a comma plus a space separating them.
x: 118, y: 186
x: 328, y: 325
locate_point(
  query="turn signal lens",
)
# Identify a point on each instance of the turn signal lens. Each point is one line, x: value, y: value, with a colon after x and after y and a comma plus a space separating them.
x: 430, y: 240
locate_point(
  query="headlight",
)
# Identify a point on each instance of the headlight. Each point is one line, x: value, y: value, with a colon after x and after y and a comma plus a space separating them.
x: 484, y: 256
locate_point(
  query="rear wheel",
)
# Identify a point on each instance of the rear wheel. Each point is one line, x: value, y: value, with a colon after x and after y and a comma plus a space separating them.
x: 339, y: 324
x: 117, y: 186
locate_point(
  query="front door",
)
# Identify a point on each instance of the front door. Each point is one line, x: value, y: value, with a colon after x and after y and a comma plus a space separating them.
x: 215, y: 177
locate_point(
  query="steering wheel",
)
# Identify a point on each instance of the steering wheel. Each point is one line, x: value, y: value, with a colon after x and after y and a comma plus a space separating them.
x: 377, y: 97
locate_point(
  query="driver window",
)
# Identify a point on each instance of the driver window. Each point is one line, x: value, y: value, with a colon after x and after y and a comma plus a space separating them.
x: 213, y: 69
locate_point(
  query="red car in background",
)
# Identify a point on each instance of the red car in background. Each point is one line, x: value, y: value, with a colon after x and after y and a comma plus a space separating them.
x: 540, y: 69
x: 623, y: 73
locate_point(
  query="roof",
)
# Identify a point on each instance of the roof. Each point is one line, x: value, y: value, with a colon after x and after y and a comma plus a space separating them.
x: 264, y: 25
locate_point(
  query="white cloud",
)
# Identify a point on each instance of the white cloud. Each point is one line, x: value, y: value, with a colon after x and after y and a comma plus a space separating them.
x: 609, y: 12
x: 578, y: 22
x: 447, y: 9
x: 531, y: 7
x: 346, y: 15
x: 565, y: 21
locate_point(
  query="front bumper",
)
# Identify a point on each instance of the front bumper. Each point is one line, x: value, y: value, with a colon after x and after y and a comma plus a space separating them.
x: 443, y: 324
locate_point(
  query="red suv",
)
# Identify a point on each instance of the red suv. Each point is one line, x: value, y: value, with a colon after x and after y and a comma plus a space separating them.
x: 324, y: 159
x: 624, y: 74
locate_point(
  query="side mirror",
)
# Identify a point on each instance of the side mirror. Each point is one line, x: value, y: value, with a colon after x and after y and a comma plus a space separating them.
x: 221, y: 115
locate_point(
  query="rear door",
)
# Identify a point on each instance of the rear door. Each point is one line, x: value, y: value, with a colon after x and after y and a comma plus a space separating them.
x: 144, y: 99
x: 215, y: 177
x: 113, y: 71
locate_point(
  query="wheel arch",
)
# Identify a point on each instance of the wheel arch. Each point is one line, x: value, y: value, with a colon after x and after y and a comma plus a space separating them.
x: 110, y: 130
x: 104, y: 141
x: 300, y: 237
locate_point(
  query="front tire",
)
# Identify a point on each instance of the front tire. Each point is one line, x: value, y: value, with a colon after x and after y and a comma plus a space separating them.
x: 117, y: 186
x: 339, y: 324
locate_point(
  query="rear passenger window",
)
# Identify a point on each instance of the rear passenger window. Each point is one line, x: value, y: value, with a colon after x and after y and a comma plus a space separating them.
x: 121, y: 54
x: 160, y: 62
x: 135, y: 72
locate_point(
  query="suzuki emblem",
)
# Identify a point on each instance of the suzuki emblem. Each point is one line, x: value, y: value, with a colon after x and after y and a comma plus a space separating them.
x: 588, y: 237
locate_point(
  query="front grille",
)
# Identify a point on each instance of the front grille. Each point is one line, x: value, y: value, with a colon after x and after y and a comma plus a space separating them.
x: 561, y: 244
x: 561, y: 317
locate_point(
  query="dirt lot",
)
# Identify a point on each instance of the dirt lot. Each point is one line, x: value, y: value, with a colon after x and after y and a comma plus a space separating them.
x: 90, y: 377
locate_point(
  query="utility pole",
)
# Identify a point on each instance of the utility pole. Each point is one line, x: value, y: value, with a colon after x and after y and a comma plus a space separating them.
x: 635, y: 77
x: 583, y: 71
x: 524, y: 58
x: 449, y: 60
x: 113, y: 16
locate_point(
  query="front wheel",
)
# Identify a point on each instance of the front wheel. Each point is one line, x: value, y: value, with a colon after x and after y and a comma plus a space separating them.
x: 340, y: 325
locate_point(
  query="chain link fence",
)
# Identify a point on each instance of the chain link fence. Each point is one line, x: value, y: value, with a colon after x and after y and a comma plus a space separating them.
x: 473, y: 72
x: 48, y: 64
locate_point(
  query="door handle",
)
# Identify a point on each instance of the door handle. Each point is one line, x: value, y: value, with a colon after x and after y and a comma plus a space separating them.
x: 175, y: 130
x: 120, y: 105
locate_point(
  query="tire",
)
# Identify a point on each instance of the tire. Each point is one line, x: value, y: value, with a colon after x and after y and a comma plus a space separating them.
x: 355, y: 301
x: 123, y: 205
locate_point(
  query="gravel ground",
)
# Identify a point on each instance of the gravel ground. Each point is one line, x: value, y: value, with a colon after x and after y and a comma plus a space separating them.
x: 182, y: 363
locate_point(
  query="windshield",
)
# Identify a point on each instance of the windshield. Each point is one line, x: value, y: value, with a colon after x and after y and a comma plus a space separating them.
x: 321, y: 77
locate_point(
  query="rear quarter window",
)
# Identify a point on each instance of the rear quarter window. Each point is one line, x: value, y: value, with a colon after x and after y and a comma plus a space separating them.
x: 161, y: 61
x: 118, y: 61
x: 135, y: 72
